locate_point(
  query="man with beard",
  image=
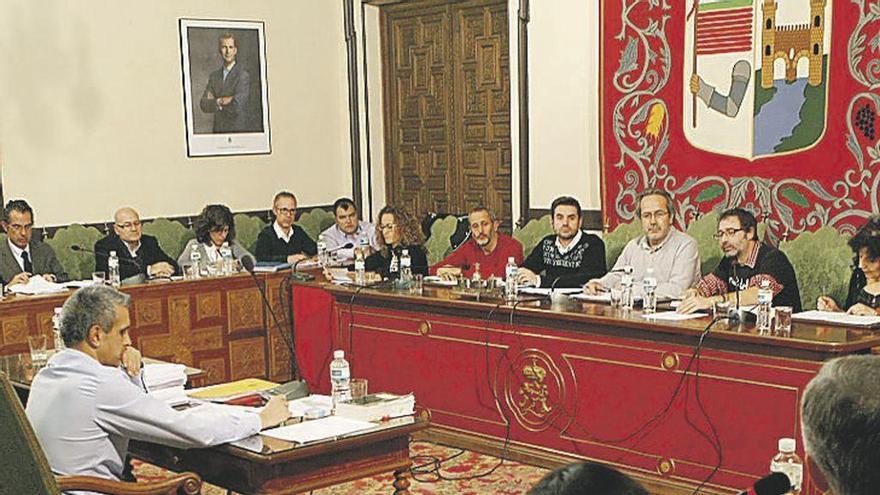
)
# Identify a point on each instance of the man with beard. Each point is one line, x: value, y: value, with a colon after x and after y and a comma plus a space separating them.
x: 747, y: 263
x: 672, y: 254
x: 567, y: 258
x: 487, y: 246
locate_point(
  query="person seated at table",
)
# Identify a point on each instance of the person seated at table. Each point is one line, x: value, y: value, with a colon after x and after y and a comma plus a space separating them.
x: 672, y: 254
x: 587, y: 478
x: 284, y: 242
x: 21, y: 256
x: 89, y: 400
x: 746, y: 264
x: 486, y: 246
x: 398, y: 230
x: 214, y: 227
x: 349, y: 229
x: 863, y: 297
x: 568, y: 257
x: 139, y: 254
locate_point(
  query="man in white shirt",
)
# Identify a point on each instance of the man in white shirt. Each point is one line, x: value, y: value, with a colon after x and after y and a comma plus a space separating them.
x: 672, y: 255
x: 89, y: 400
x: 348, y: 229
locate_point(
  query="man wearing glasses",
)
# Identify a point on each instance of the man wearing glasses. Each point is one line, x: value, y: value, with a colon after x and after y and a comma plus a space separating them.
x: 21, y: 257
x: 672, y: 254
x: 284, y: 242
x: 139, y: 255
x: 747, y: 263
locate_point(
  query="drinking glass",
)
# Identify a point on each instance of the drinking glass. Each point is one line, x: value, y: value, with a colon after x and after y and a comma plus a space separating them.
x: 783, y: 320
x: 99, y: 278
x: 358, y: 387
x: 616, y: 293
x: 38, y: 345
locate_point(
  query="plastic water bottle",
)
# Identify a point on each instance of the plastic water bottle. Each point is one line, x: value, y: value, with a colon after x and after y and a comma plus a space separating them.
x: 627, y: 301
x: 405, y: 267
x: 340, y: 378
x: 364, y: 244
x: 511, y: 289
x: 196, y: 259
x: 649, y: 284
x: 394, y: 266
x: 56, y: 330
x: 477, y: 277
x: 226, y: 255
x: 322, y: 250
x: 765, y: 307
x: 360, y: 266
x: 788, y: 463
x: 113, y: 269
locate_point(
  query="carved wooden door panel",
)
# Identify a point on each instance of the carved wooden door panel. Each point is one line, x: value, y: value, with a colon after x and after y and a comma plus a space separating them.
x: 447, y: 106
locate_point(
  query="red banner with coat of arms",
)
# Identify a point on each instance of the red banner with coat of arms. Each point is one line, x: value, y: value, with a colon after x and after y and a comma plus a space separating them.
x: 766, y: 104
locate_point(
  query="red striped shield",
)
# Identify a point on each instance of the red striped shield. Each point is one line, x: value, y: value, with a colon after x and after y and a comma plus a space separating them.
x: 755, y: 75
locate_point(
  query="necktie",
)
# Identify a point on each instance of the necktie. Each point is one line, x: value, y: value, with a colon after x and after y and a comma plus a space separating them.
x: 26, y: 260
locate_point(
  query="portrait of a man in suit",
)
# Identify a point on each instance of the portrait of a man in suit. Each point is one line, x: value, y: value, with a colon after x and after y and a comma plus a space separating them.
x: 228, y: 90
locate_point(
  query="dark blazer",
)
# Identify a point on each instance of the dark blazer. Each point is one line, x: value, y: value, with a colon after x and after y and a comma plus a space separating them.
x: 233, y: 117
x: 149, y: 253
x: 42, y: 256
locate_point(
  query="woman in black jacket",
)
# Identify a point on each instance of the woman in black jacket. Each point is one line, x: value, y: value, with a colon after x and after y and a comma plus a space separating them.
x: 398, y: 232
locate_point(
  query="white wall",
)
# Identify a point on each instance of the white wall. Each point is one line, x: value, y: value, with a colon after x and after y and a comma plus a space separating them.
x: 92, y: 108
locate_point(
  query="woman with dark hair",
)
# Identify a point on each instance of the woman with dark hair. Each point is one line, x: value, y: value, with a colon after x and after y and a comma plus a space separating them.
x: 397, y: 230
x: 587, y: 478
x: 214, y: 229
x: 863, y: 297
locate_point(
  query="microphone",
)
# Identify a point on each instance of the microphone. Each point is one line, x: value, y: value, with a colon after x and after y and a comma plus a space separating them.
x: 130, y: 261
x: 340, y: 248
x: 772, y: 484
x: 247, y: 263
x: 300, y: 277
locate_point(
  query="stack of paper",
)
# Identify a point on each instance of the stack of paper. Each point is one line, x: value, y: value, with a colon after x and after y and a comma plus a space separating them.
x: 375, y: 407
x: 165, y: 382
x: 329, y: 428
x: 834, y: 318
x: 231, y: 390
x: 37, y: 285
x: 270, y: 266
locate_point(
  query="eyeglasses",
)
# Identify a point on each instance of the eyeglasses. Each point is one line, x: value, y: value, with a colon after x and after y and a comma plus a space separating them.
x: 387, y: 226
x: 19, y: 227
x: 657, y: 215
x: 286, y: 211
x: 129, y: 225
x: 721, y: 234
x: 221, y: 230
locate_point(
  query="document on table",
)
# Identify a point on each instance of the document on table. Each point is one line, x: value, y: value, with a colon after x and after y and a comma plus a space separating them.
x: 37, y: 285
x: 315, y: 430
x: 834, y: 318
x: 672, y: 316
x: 546, y: 291
x: 603, y: 297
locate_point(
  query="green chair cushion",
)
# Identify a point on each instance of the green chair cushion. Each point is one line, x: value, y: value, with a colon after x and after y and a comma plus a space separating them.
x: 78, y: 265
x: 822, y: 261
x: 532, y: 233
x: 316, y: 221
x: 247, y: 228
x: 172, y: 235
x: 702, y: 230
x: 617, y: 239
x: 438, y: 245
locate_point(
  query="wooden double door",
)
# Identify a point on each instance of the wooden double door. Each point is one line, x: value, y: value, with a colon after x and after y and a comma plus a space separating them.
x: 446, y: 78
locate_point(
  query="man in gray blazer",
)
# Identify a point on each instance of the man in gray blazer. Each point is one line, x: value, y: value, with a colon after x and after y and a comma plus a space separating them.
x: 22, y: 257
x: 227, y: 91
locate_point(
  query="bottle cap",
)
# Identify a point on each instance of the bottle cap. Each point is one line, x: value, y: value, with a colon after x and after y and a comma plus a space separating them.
x: 787, y: 444
x: 405, y: 252
x: 112, y: 253
x: 338, y: 354
x: 510, y: 259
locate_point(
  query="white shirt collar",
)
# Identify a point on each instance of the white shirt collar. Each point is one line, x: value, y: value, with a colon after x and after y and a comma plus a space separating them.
x: 132, y: 252
x: 17, y: 252
x: 280, y: 233
x: 571, y: 245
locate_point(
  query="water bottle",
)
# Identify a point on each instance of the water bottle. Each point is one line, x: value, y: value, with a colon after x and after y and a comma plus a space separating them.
x: 196, y: 259
x: 405, y: 267
x: 477, y: 277
x: 765, y: 307
x: 393, y: 267
x: 788, y: 463
x: 113, y: 269
x: 360, y: 267
x: 56, y: 330
x: 511, y: 288
x: 626, y: 281
x: 227, y: 260
x: 364, y: 244
x: 649, y: 284
x: 322, y: 251
x: 340, y: 378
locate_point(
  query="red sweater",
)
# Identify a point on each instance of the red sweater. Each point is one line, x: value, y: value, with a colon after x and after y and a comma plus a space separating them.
x: 494, y: 263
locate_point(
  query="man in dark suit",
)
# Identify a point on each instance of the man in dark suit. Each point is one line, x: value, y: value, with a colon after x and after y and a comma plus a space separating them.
x: 226, y: 95
x: 139, y: 254
x: 21, y: 257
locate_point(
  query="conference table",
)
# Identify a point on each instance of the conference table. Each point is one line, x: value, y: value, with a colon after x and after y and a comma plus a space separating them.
x: 551, y: 382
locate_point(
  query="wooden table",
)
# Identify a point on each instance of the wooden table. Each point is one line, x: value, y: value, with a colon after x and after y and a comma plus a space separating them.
x: 548, y: 384
x: 271, y: 466
x: 219, y: 325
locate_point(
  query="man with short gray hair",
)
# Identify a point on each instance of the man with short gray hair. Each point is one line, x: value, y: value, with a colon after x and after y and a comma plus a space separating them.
x: 90, y: 399
x: 840, y: 420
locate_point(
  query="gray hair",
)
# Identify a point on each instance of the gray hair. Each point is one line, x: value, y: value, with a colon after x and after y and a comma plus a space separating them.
x: 670, y: 206
x: 841, y: 424
x: 87, y: 307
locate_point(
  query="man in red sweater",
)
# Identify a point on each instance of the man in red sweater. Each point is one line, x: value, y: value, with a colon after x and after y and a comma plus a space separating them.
x: 487, y: 246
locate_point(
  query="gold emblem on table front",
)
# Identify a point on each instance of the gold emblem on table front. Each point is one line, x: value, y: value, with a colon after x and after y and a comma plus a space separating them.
x: 534, y: 389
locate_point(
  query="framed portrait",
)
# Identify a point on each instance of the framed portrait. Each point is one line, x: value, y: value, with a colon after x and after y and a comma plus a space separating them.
x: 225, y: 93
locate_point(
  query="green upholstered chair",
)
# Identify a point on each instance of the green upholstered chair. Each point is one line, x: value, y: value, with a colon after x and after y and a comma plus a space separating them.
x: 316, y: 221
x: 172, y: 235
x: 247, y: 228
x: 78, y: 265
x: 702, y: 230
x: 532, y: 233
x: 617, y: 239
x: 438, y: 245
x: 24, y: 468
x: 822, y: 261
